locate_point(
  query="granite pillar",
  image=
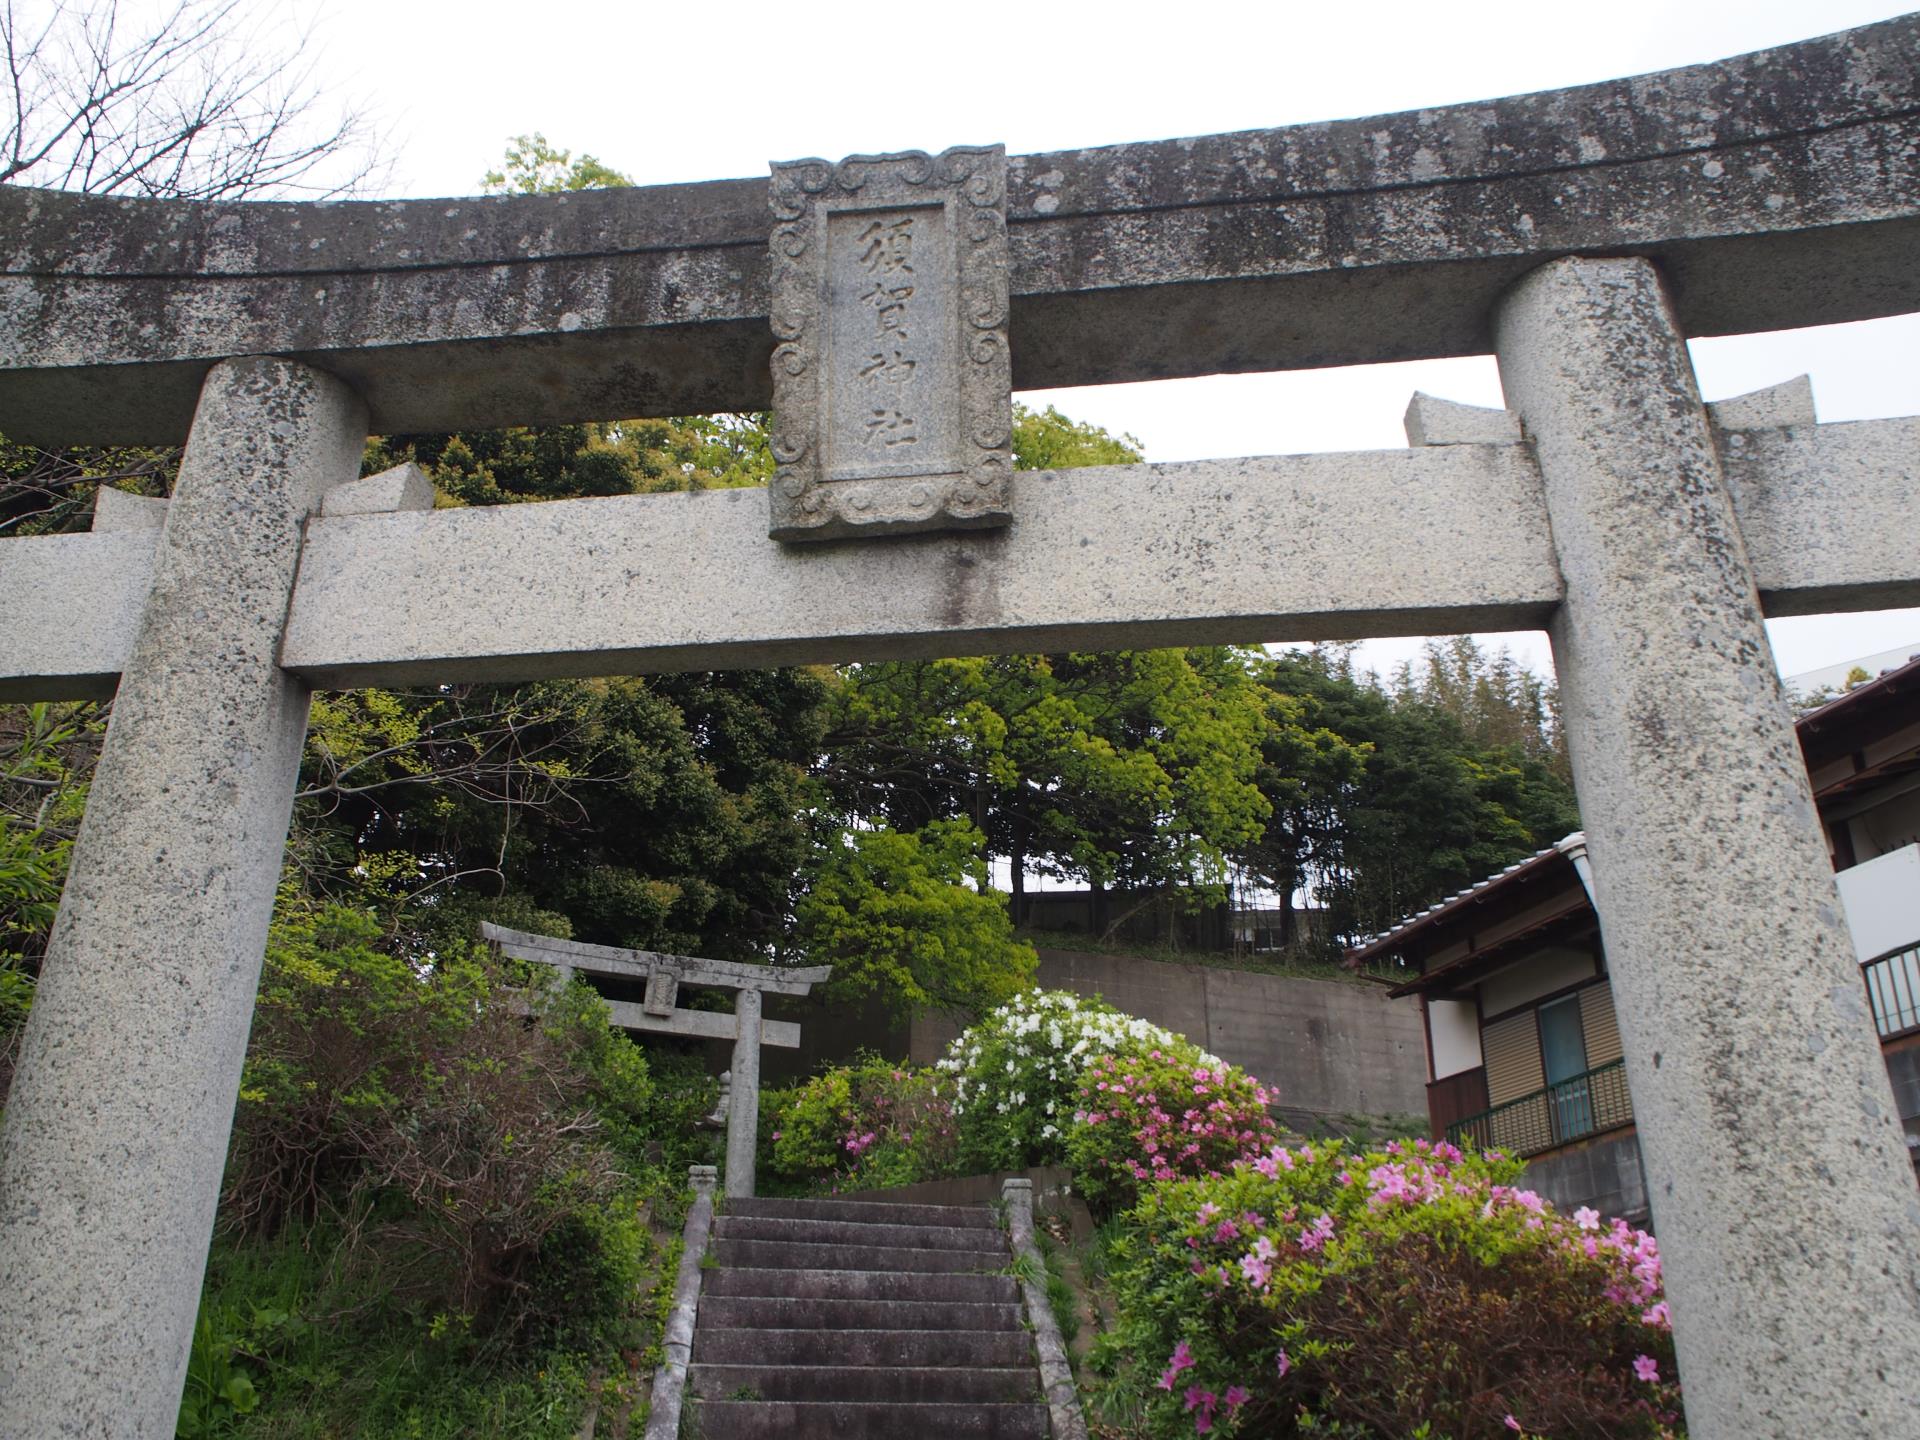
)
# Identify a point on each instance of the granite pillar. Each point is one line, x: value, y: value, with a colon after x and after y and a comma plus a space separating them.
x: 743, y: 1123
x: 116, y: 1132
x: 1785, y: 1205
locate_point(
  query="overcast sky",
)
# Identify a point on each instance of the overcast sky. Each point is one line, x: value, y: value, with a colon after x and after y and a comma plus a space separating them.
x: 681, y: 92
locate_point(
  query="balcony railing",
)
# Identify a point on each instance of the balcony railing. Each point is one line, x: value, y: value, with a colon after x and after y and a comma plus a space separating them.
x: 1893, y: 991
x: 1585, y: 1105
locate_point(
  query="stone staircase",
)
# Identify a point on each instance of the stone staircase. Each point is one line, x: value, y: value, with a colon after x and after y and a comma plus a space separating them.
x: 848, y: 1320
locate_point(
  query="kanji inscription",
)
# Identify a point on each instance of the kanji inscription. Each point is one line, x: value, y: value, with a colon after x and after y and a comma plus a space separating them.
x: 892, y: 385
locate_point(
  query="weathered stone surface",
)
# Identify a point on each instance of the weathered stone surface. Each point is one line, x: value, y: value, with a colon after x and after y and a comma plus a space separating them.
x: 1785, y: 1204
x: 676, y: 1345
x: 1432, y: 421
x: 1065, y: 1421
x: 1318, y: 547
x: 404, y: 487
x: 117, y: 510
x: 893, y: 406
x: 116, y: 1130
x: 571, y: 956
x: 1297, y: 547
x: 1776, y: 189
x: 1788, y: 403
x: 743, y: 1121
x: 1828, y: 513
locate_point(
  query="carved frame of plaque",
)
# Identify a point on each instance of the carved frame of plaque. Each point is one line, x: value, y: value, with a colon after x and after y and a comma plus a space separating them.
x: 892, y: 384
x: 663, y: 991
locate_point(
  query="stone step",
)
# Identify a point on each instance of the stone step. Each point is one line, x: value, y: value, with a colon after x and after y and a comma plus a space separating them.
x: 793, y: 1254
x: 917, y: 1384
x: 854, y: 1420
x: 800, y: 1283
x: 811, y: 1231
x: 985, y: 1349
x: 775, y: 1312
x: 875, y: 1212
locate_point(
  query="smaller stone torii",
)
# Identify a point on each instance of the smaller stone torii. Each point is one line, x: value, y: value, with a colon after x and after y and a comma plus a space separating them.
x: 659, y: 1013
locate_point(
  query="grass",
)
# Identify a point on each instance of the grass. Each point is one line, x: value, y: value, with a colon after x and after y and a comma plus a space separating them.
x: 286, y: 1350
x: 1060, y: 1296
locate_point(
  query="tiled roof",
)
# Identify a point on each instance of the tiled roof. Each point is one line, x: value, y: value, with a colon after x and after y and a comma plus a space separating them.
x: 1433, y: 912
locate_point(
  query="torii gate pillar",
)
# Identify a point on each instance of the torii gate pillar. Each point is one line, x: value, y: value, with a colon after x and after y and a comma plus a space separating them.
x: 1760, y: 1094
x: 116, y: 1131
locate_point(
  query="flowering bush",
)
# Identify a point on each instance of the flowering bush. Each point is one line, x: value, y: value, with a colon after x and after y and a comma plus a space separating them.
x: 1403, y: 1292
x: 1016, y: 1073
x: 858, y: 1127
x: 1139, y: 1118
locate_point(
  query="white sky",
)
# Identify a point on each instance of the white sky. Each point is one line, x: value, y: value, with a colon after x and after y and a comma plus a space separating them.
x: 677, y: 92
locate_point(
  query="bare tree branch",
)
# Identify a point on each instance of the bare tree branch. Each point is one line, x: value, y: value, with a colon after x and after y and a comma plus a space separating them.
x: 212, y: 99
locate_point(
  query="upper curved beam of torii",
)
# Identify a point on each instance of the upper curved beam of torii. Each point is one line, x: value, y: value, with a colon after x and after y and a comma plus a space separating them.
x: 1776, y: 189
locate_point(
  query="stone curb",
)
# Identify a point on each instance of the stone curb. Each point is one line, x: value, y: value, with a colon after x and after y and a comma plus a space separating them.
x: 670, y: 1380
x: 1056, y: 1376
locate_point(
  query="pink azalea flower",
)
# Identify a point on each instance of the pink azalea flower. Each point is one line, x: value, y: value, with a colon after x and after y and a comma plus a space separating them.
x: 1282, y: 1365
x: 1587, y: 1218
x: 1511, y: 1423
x: 1235, y: 1397
x: 1646, y: 1368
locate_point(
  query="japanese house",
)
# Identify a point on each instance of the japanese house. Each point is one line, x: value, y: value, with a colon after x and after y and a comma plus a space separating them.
x: 1523, y: 1052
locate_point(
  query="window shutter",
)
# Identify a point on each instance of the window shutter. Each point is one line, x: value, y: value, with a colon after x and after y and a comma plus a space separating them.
x: 1602, y: 1029
x: 1512, y: 1049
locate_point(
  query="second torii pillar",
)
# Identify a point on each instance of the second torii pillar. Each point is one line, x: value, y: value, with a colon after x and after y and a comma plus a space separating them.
x: 743, y: 1118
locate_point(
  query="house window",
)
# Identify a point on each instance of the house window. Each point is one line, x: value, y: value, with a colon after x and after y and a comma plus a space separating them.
x: 1563, y: 1055
x: 1553, y: 1074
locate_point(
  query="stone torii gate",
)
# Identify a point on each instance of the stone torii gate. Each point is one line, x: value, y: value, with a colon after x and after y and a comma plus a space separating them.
x: 1581, y: 236
x: 659, y: 1013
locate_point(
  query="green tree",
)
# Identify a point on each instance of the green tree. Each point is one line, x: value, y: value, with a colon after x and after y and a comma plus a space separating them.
x: 910, y: 917
x: 534, y: 166
x: 1498, y: 702
x: 1425, y: 810
x: 1129, y: 769
x: 1047, y: 440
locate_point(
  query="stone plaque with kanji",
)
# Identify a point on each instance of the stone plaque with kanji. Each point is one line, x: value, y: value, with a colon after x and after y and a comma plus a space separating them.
x: 892, y: 388
x: 663, y: 992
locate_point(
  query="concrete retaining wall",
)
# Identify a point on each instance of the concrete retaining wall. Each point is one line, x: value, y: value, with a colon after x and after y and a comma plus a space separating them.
x: 1325, y: 1046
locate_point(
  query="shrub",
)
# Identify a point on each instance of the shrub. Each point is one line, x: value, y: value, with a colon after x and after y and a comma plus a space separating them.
x: 1141, y: 1118
x: 1403, y: 1292
x: 1016, y: 1073
x: 864, y: 1126
x: 458, y: 1132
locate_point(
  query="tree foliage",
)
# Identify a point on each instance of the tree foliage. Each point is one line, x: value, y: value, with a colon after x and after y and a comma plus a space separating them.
x: 910, y: 918
x: 1128, y: 768
x: 535, y: 166
x: 1391, y: 804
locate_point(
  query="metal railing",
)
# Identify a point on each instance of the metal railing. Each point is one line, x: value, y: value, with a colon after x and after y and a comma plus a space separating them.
x: 1893, y: 991
x: 1584, y: 1105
